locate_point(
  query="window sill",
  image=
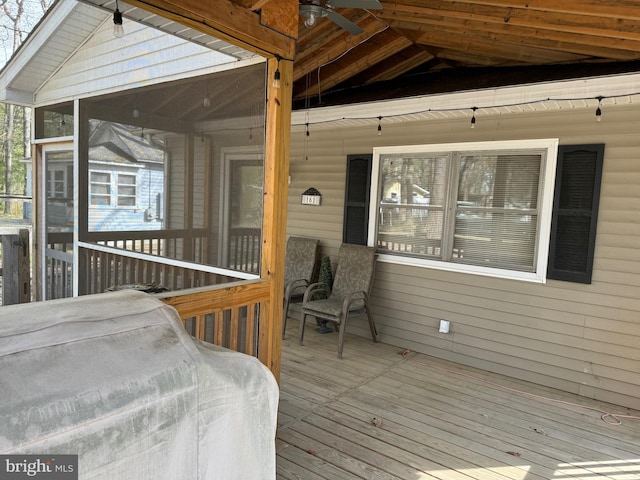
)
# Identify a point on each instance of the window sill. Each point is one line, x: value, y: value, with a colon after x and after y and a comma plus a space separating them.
x: 533, y: 277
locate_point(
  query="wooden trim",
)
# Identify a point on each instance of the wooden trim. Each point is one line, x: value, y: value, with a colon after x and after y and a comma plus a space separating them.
x: 227, y: 21
x: 191, y: 303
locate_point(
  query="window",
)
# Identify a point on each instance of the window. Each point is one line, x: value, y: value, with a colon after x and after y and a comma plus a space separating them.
x: 100, y: 188
x: 126, y: 190
x: 480, y: 207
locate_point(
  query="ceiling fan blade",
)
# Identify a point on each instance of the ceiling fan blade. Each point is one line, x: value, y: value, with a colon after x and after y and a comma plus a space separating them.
x: 368, y: 4
x: 343, y: 22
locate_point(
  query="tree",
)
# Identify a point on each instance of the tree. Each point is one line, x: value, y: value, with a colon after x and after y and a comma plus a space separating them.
x: 19, y: 18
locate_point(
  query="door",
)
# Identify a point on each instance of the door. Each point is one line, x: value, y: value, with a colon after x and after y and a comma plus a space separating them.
x: 57, y: 221
x: 243, y: 212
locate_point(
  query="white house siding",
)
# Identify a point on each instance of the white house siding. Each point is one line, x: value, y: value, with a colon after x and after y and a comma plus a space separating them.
x: 143, y: 56
x: 575, y: 337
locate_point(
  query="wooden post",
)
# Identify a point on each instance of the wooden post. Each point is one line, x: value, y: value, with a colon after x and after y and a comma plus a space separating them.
x: 16, y: 274
x: 274, y: 225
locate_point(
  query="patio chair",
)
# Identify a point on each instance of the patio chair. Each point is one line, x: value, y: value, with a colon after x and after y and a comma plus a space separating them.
x: 349, y: 295
x: 300, y: 264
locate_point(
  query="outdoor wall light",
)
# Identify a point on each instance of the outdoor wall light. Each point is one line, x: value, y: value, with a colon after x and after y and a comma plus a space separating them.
x: 118, y: 30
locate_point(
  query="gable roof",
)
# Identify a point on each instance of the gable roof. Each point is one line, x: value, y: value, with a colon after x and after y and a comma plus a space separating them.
x: 65, y: 28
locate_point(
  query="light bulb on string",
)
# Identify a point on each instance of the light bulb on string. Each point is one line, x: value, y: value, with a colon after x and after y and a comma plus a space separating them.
x: 276, y: 74
x: 380, y: 125
x: 473, y: 117
x: 599, y: 110
x: 118, y: 30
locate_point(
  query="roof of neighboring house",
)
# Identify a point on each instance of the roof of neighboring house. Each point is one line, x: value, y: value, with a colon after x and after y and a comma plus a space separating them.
x: 118, y: 143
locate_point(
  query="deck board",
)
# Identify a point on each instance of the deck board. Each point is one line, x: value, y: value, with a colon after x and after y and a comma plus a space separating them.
x: 440, y: 420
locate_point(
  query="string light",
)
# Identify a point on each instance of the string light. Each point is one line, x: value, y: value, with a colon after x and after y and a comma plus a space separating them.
x: 379, y: 125
x: 276, y: 74
x: 118, y: 30
x: 307, y: 129
x: 473, y: 109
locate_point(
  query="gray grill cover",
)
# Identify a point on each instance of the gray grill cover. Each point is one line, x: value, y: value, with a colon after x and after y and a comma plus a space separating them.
x: 116, y: 379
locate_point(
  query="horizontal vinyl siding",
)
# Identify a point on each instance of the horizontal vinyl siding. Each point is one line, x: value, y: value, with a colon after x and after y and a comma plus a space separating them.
x: 149, y: 57
x: 579, y: 338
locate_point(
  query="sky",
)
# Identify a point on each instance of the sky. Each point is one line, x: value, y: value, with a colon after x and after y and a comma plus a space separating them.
x: 32, y: 14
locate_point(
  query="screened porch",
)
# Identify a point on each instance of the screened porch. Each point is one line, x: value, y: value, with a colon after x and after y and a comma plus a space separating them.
x: 159, y: 189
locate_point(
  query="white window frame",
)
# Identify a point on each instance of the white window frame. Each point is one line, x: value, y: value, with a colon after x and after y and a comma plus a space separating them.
x: 120, y: 196
x: 545, y: 199
x: 93, y: 195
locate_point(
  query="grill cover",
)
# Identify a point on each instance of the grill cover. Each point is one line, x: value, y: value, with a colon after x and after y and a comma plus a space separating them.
x: 116, y: 379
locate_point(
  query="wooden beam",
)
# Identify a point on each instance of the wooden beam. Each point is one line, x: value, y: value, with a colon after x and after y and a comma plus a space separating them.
x: 253, y: 5
x: 620, y: 49
x: 313, y: 57
x: 471, y: 43
x: 396, y: 65
x: 227, y: 21
x: 600, y: 26
x: 281, y: 16
x: 375, y: 50
x: 629, y: 9
x: 274, y: 224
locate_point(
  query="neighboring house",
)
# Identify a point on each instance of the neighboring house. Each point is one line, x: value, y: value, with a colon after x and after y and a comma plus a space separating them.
x: 466, y: 229
x: 126, y: 182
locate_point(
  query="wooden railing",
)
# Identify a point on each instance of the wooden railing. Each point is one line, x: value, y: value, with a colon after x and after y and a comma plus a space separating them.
x: 215, y: 306
x: 225, y: 315
x: 59, y: 266
x: 103, y: 268
x: 244, y: 249
x: 190, y: 245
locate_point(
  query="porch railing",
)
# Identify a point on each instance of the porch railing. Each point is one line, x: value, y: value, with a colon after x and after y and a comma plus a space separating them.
x: 225, y: 315
x: 217, y: 306
x: 59, y: 266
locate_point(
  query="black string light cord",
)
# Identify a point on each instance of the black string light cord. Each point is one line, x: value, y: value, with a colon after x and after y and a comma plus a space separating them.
x: 474, y: 109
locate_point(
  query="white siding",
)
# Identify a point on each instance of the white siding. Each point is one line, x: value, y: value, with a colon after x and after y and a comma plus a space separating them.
x: 579, y: 338
x: 144, y: 56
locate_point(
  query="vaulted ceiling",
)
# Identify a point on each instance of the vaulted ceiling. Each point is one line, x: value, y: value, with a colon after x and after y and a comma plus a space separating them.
x: 424, y: 46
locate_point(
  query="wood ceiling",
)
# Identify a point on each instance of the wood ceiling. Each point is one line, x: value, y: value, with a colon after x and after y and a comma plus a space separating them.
x: 422, y: 46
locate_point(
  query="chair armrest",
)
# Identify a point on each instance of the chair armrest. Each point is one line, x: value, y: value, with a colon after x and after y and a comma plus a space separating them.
x: 351, y: 298
x: 313, y: 289
x: 293, y: 285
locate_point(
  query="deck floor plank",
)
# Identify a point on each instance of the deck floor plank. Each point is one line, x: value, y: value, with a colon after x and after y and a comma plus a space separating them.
x: 440, y: 420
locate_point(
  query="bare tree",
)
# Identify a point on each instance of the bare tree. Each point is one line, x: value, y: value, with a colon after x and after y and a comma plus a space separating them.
x: 18, y: 21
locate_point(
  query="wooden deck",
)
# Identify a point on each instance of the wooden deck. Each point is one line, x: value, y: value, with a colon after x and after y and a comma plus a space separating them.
x: 377, y: 414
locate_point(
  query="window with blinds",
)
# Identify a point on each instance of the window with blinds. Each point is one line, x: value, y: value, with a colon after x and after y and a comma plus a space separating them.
x: 470, y: 207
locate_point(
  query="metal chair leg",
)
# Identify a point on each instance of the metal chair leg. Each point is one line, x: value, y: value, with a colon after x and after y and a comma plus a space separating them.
x: 303, y: 320
x: 372, y: 325
x: 285, y: 314
x: 343, y: 328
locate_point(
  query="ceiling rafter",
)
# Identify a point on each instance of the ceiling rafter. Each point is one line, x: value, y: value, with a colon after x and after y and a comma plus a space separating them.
x: 628, y: 9
x: 386, y: 44
x: 576, y: 23
x: 311, y: 59
x: 556, y: 40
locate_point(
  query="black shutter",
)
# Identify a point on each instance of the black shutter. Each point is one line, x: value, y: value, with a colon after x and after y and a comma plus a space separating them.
x: 356, y: 199
x: 575, y: 212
